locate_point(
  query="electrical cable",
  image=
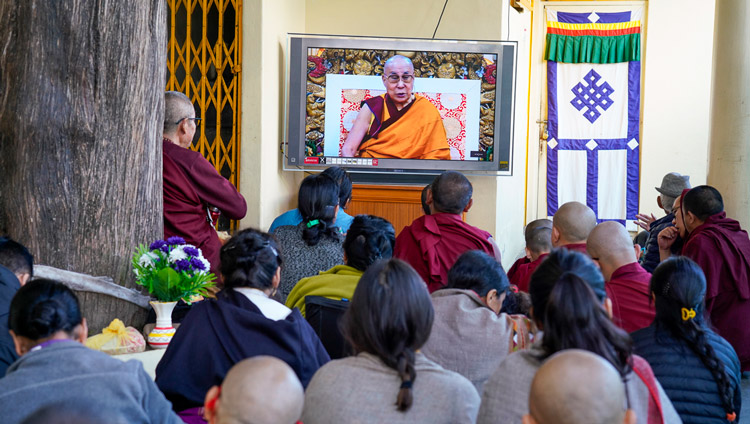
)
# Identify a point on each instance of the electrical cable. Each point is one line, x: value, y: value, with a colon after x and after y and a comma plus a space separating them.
x: 440, y: 19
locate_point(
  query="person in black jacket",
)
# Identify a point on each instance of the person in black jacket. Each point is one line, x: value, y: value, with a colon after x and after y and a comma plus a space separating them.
x: 698, y: 369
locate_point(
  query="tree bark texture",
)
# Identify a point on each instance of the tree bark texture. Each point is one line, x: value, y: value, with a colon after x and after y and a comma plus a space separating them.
x: 81, y: 114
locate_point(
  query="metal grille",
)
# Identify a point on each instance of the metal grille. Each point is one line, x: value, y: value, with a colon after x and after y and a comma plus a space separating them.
x: 204, y: 61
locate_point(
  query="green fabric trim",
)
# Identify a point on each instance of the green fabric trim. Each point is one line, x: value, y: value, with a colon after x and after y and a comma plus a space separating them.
x: 593, y: 49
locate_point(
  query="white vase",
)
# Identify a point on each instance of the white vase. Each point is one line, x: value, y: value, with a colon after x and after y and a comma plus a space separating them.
x: 163, y: 331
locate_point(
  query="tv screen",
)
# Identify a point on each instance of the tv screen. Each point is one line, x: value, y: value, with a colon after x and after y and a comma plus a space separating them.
x: 399, y: 105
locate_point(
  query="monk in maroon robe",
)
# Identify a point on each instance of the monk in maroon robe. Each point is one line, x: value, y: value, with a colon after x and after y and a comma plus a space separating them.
x: 722, y: 249
x: 571, y: 226
x: 627, y: 283
x: 432, y: 243
x: 538, y: 245
x: 192, y: 184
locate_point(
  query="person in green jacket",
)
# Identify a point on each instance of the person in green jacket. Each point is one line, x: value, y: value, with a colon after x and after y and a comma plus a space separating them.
x: 369, y: 238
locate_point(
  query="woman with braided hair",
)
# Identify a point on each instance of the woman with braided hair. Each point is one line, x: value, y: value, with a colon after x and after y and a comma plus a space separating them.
x: 243, y: 321
x: 389, y: 380
x: 314, y: 245
x: 698, y: 369
x: 369, y: 238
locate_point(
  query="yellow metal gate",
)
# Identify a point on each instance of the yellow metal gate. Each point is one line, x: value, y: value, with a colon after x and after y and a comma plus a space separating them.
x: 204, y: 61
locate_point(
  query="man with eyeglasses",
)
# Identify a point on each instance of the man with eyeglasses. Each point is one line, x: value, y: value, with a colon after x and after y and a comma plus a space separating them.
x: 192, y: 184
x: 397, y: 124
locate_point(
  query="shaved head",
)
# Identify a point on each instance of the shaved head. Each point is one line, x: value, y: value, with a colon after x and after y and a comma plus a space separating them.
x: 610, y: 244
x: 397, y: 59
x: 263, y: 388
x: 703, y: 201
x: 177, y: 106
x: 577, y: 387
x: 451, y: 192
x: 572, y: 223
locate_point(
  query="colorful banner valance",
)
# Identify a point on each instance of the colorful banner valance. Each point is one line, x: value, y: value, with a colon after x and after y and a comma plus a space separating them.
x: 593, y: 37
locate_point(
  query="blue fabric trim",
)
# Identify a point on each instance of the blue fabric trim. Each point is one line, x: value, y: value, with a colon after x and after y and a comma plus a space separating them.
x: 583, y: 18
x: 552, y: 133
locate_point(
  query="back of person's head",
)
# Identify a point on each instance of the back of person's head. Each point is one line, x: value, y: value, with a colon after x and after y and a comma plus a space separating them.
x: 596, y: 397
x: 451, y: 192
x: 703, y: 201
x: 611, y: 245
x: 390, y: 316
x: 679, y: 287
x: 42, y: 308
x: 567, y: 292
x: 317, y: 201
x: 344, y: 181
x: 258, y: 390
x: 250, y: 259
x: 572, y: 223
x: 74, y: 412
x: 15, y: 257
x: 477, y: 271
x: 539, y: 240
x: 369, y: 239
x: 177, y: 106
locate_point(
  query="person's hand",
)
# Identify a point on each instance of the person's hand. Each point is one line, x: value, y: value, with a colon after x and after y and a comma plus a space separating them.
x: 667, y: 238
x: 348, y: 151
x: 644, y: 221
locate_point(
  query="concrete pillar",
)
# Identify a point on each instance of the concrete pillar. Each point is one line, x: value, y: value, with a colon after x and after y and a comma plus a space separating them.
x: 729, y: 147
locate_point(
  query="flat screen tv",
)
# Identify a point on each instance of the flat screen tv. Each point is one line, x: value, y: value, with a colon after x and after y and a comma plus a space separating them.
x: 455, y: 111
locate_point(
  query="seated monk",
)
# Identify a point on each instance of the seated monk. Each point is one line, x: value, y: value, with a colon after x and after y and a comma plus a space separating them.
x: 398, y: 124
x: 722, y: 249
x: 597, y: 396
x: 261, y: 390
x: 538, y: 246
x: 432, y: 243
x: 571, y: 226
x: 627, y: 283
x: 526, y: 230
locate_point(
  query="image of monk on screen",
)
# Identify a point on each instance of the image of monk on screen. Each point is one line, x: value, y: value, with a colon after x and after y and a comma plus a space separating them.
x: 397, y: 124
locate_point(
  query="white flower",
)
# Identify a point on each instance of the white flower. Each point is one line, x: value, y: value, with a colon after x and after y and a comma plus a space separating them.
x: 176, y: 255
x: 148, y: 259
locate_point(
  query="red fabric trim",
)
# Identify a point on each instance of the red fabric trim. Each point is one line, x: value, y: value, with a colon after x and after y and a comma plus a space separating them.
x: 644, y: 372
x: 596, y: 32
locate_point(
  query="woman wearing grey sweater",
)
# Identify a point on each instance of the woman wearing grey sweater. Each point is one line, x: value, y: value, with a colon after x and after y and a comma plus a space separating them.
x: 388, y: 381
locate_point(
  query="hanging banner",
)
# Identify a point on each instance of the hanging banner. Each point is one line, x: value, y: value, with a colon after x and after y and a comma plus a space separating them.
x: 594, y: 112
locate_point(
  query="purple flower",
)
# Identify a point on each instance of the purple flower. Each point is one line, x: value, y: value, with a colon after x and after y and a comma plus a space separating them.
x: 191, y: 251
x: 182, y: 265
x: 197, y: 264
x: 158, y: 245
x: 172, y: 241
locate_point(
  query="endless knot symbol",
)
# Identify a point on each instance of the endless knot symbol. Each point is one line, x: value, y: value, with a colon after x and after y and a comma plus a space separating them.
x: 591, y: 95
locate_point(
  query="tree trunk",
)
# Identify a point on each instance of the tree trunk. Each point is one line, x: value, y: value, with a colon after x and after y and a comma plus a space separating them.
x: 81, y: 112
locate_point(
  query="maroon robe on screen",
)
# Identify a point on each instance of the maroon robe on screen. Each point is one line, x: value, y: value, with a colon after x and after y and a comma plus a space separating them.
x: 190, y: 184
x: 522, y: 276
x: 722, y: 249
x: 628, y: 289
x: 432, y: 243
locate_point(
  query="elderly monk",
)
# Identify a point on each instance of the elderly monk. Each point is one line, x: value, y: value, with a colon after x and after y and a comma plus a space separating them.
x: 538, y: 246
x: 192, y: 184
x: 722, y: 249
x: 526, y: 230
x: 627, y: 283
x: 259, y: 390
x: 397, y: 124
x: 432, y: 243
x: 571, y: 226
x: 596, y: 397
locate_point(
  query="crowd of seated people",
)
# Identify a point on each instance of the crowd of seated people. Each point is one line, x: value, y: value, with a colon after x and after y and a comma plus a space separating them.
x: 576, y: 332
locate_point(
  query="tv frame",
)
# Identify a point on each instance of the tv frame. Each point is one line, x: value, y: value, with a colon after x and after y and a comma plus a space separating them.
x: 296, y: 97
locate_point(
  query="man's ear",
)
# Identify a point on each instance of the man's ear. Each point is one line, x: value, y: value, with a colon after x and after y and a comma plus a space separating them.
x: 428, y: 197
x: 555, y: 236
x: 19, y: 343
x: 658, y: 202
x: 528, y: 253
x: 81, y: 332
x: 630, y: 417
x: 211, y: 404
x: 468, y: 206
x: 23, y: 278
x: 528, y: 419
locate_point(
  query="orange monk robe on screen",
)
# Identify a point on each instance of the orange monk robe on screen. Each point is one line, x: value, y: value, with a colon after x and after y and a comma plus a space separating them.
x: 414, y: 132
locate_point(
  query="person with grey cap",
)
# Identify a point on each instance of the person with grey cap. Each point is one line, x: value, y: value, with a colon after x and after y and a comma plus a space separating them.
x: 671, y: 187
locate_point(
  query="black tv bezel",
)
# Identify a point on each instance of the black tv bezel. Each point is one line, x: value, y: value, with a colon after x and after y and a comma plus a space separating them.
x: 296, y: 95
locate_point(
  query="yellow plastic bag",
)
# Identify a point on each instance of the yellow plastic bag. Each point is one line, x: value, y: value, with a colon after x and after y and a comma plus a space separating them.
x: 117, y: 339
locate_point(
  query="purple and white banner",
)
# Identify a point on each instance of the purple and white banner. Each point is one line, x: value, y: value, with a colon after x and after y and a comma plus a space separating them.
x: 593, y: 144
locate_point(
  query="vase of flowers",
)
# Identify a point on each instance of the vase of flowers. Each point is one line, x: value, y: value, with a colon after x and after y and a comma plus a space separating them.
x: 170, y: 270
